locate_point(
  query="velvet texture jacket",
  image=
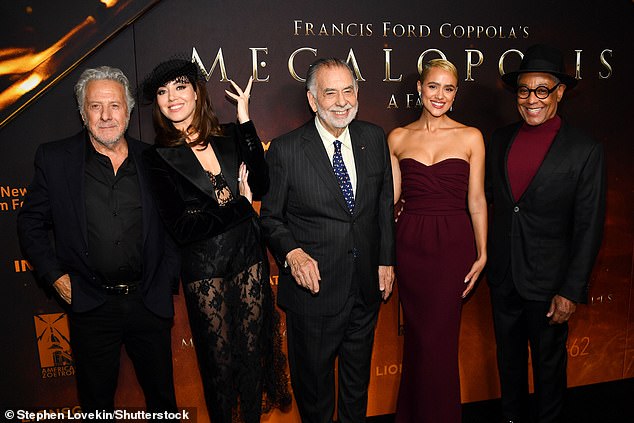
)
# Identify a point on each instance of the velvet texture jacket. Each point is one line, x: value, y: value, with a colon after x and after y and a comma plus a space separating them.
x: 186, y: 198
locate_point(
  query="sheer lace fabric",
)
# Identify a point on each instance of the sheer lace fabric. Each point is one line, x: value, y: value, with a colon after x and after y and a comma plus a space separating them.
x: 235, y: 326
x: 223, y: 193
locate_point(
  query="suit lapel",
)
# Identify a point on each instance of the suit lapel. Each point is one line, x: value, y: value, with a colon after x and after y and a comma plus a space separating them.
x: 134, y: 153
x: 506, y: 148
x: 318, y: 158
x: 225, y: 150
x: 75, y: 168
x: 183, y: 160
x: 552, y: 160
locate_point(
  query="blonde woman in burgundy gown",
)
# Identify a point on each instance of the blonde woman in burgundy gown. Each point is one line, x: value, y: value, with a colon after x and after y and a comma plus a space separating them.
x: 438, y: 167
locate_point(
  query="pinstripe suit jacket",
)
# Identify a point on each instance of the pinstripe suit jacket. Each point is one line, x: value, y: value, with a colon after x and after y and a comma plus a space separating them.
x: 305, y: 208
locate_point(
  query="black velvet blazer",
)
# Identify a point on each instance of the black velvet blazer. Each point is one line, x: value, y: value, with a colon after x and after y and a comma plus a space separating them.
x: 186, y: 198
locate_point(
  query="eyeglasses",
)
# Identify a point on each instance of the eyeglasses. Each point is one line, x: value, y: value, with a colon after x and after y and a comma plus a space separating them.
x: 540, y: 92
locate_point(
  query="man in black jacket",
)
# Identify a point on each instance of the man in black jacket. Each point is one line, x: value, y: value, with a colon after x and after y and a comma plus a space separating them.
x: 111, y: 259
x: 546, y: 181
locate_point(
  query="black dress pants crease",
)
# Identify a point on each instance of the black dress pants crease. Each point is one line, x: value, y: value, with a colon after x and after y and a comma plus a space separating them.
x: 96, y: 339
x: 519, y: 323
x: 314, y: 342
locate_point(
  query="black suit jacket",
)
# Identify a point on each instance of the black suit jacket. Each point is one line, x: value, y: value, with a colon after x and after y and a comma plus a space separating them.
x: 55, y: 201
x: 548, y: 239
x: 187, y: 200
x: 305, y: 208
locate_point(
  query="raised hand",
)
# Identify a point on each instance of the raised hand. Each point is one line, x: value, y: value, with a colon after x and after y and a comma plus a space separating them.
x: 242, y: 99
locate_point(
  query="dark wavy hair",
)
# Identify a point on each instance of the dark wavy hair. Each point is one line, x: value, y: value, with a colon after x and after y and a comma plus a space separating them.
x: 205, y: 122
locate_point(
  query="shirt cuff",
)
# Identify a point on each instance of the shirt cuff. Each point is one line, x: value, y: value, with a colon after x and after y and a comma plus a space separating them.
x: 51, y: 276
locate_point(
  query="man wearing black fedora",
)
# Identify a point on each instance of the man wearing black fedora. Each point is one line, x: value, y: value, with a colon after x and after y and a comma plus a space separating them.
x: 546, y: 183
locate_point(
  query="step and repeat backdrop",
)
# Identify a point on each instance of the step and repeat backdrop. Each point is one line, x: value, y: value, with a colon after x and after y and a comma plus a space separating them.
x: 44, y: 50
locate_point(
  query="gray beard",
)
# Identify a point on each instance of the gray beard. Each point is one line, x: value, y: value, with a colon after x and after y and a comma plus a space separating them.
x: 108, y: 143
x: 324, y: 116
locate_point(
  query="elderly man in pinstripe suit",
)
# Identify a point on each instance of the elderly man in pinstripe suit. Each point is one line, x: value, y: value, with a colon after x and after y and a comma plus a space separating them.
x: 328, y: 220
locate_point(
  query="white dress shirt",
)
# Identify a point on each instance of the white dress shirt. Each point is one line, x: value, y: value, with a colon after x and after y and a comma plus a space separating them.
x: 346, y: 150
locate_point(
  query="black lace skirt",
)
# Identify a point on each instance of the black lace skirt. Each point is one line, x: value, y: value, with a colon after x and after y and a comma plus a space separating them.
x: 235, y: 328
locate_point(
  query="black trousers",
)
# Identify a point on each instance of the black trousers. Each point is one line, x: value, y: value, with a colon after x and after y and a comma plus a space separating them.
x: 96, y: 339
x: 519, y: 323
x: 314, y: 342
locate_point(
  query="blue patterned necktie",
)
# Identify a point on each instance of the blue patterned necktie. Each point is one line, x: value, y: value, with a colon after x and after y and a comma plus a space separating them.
x: 342, y: 176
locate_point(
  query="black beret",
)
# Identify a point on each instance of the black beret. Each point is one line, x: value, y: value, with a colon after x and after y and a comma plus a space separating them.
x: 168, y: 71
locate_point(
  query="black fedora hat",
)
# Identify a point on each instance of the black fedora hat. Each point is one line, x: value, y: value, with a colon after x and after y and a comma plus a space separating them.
x: 544, y: 59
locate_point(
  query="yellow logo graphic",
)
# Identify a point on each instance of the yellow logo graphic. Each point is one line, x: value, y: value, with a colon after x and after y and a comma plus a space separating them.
x: 53, y: 345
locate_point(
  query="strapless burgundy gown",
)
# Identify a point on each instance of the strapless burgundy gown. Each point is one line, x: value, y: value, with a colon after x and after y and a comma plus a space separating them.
x: 435, y: 249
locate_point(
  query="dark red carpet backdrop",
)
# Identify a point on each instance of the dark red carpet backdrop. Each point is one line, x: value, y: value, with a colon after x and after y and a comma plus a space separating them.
x: 45, y: 49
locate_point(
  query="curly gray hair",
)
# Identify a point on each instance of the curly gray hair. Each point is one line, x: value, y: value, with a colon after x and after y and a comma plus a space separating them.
x: 102, y: 73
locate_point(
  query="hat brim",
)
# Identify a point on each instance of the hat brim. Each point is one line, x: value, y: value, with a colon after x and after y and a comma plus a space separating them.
x: 510, y: 78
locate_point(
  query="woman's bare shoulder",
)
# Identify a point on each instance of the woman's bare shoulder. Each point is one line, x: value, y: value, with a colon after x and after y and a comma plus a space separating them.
x: 400, y: 135
x: 468, y: 133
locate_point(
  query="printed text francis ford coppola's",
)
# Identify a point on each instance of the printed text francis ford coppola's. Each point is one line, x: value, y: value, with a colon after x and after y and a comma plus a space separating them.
x: 407, y: 30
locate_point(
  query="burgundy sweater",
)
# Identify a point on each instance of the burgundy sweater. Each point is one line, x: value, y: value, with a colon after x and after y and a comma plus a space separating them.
x: 527, y: 153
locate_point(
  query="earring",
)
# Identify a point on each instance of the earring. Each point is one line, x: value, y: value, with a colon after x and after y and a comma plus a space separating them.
x: 451, y: 107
